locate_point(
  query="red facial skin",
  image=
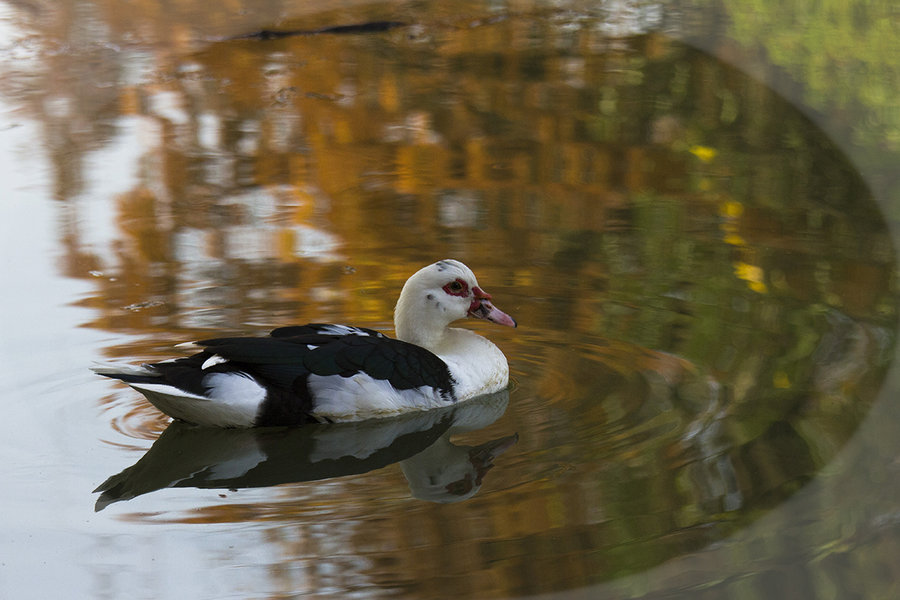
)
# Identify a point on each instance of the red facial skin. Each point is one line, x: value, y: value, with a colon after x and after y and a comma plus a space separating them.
x: 480, y: 307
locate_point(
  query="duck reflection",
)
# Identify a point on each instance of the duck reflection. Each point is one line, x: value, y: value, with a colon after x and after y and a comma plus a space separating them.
x: 213, y: 458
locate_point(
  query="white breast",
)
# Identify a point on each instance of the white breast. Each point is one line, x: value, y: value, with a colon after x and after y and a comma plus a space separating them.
x: 476, y: 364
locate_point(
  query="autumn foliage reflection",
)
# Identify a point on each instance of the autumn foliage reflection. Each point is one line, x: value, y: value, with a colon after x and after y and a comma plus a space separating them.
x: 703, y: 282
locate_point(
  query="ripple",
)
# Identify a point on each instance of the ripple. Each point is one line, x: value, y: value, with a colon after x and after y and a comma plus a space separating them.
x: 134, y: 418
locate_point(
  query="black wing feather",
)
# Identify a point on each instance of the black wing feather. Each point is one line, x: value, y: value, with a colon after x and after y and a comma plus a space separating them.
x: 283, y: 362
x: 255, y: 350
x: 319, y: 329
x: 305, y: 349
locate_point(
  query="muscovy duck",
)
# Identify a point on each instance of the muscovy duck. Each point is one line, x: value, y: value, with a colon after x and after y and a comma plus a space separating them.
x: 335, y: 373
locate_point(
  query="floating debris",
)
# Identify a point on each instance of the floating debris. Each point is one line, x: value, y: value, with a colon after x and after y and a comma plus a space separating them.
x: 355, y: 29
x: 138, y: 306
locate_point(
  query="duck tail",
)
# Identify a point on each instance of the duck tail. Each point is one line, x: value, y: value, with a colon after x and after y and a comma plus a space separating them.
x: 127, y: 373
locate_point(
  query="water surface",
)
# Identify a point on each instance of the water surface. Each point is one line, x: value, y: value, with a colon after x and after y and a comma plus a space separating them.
x: 704, y: 284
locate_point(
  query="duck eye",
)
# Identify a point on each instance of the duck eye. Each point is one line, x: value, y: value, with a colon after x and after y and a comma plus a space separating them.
x: 457, y: 288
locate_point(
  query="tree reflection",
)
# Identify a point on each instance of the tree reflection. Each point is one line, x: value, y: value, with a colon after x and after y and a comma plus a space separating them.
x: 705, y: 284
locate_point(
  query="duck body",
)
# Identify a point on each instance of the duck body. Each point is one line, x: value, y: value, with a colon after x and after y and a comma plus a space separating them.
x: 335, y: 373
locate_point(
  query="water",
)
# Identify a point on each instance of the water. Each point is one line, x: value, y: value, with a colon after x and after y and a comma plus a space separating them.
x: 694, y: 246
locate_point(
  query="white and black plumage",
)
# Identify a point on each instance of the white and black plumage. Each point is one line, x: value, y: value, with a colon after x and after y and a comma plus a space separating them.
x: 333, y: 373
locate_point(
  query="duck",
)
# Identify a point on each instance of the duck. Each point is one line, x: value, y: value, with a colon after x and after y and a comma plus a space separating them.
x: 331, y: 373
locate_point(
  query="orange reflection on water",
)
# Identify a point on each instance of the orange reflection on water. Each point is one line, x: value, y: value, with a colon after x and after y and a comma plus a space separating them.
x: 662, y: 400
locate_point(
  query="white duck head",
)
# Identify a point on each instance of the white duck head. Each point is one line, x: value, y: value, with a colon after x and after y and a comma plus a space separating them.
x: 437, y: 295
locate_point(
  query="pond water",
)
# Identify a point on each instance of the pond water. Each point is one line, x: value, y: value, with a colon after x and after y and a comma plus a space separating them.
x: 703, y: 276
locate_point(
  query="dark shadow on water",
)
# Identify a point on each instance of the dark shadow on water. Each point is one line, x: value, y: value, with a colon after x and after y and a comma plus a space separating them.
x: 353, y: 29
x: 211, y: 458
